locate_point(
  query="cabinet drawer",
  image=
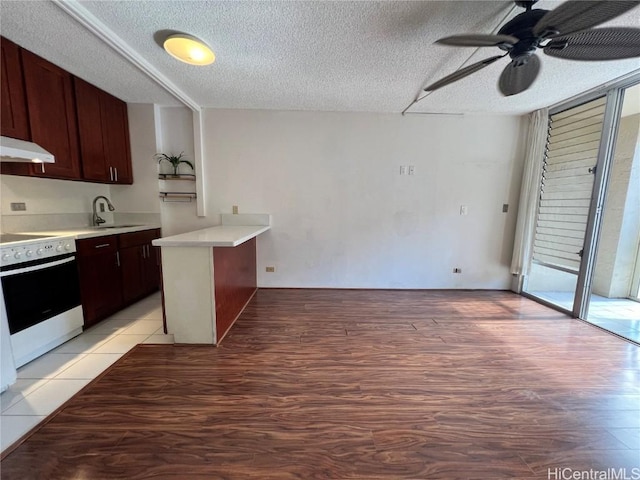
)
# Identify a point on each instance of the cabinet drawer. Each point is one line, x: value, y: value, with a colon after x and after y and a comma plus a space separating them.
x: 138, y: 238
x: 97, y: 245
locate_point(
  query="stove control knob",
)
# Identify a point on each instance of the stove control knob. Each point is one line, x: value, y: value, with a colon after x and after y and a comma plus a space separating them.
x: 39, y: 251
x: 29, y: 253
x: 67, y: 247
x: 59, y: 248
x: 5, y: 257
x: 17, y: 255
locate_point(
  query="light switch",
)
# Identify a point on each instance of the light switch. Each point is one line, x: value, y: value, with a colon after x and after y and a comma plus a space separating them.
x: 463, y: 209
x: 403, y: 169
x: 412, y: 169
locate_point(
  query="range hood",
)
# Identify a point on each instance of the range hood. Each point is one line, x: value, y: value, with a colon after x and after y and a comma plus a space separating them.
x: 14, y: 150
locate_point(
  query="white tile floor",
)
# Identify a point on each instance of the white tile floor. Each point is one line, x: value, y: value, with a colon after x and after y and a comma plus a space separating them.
x: 47, y: 382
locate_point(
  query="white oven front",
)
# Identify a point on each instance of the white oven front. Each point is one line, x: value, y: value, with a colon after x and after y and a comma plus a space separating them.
x: 42, y: 301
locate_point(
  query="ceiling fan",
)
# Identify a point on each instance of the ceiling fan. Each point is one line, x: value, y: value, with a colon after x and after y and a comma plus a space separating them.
x: 565, y: 32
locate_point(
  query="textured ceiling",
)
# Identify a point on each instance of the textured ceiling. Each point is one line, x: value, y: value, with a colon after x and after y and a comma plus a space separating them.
x: 302, y: 55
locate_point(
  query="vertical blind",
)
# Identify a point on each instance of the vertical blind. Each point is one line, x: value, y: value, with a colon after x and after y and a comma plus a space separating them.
x: 568, y: 171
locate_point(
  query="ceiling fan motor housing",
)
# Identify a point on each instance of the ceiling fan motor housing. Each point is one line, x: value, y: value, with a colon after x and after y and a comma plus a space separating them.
x: 521, y: 27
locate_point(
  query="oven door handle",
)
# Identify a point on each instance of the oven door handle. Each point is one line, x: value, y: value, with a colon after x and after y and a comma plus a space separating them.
x: 36, y: 267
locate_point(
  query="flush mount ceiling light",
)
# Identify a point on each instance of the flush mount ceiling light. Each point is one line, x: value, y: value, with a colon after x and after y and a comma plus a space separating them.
x: 189, y: 49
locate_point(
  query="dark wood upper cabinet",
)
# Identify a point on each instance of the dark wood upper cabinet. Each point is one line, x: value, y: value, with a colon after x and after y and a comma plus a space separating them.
x: 14, y: 121
x: 52, y: 116
x: 85, y: 128
x: 104, y: 135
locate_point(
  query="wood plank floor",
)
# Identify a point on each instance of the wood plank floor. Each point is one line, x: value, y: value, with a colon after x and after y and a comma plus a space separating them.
x: 335, y: 384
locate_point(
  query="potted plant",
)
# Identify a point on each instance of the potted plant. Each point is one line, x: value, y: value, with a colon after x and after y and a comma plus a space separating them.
x: 174, y: 160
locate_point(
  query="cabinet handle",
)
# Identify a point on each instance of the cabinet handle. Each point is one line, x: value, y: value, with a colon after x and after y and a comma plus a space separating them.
x: 42, y: 167
x: 115, y: 169
x: 111, y: 174
x: 118, y: 258
x: 148, y: 251
x: 144, y: 252
x: 102, y: 245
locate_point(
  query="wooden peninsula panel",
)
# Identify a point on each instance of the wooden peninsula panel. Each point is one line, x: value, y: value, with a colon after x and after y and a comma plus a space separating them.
x: 234, y: 282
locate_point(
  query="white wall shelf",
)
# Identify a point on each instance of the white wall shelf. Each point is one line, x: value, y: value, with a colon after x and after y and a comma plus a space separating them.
x: 177, y: 196
x: 180, y: 176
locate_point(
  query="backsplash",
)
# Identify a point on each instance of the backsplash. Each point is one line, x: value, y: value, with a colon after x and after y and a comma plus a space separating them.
x: 59, y: 204
x: 45, y: 195
x: 62, y: 221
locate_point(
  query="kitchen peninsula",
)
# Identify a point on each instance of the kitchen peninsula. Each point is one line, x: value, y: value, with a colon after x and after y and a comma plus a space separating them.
x: 209, y: 276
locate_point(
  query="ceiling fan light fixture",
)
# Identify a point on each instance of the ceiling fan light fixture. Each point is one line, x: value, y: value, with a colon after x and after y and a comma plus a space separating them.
x: 189, y: 49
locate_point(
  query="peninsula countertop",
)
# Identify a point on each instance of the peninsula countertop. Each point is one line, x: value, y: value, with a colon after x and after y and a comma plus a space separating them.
x: 234, y: 230
x: 219, y: 236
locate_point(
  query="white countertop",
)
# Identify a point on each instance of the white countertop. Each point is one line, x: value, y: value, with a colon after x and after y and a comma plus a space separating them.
x: 219, y: 236
x: 89, y: 232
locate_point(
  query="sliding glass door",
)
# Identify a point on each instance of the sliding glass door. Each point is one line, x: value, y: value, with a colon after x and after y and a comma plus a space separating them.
x: 586, y: 243
x: 565, y: 198
x: 613, y: 300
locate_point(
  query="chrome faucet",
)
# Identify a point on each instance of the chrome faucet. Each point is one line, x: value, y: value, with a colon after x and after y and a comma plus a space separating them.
x: 97, y: 219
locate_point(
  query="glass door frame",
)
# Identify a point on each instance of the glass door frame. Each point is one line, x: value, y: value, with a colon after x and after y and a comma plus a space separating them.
x: 598, y: 196
x: 614, y: 92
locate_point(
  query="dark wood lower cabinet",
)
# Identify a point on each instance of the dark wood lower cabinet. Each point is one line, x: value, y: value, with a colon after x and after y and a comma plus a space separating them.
x: 140, y: 269
x: 115, y: 271
x: 100, y: 278
x: 132, y: 273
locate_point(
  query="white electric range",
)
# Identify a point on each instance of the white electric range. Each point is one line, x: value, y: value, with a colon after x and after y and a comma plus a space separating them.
x: 40, y: 294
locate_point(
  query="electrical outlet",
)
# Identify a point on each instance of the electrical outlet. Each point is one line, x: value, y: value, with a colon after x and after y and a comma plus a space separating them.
x: 463, y: 210
x: 270, y: 269
x: 403, y: 169
x: 505, y: 207
x: 411, y: 170
x: 457, y: 270
x: 18, y: 206
x: 102, y: 210
x: 234, y: 209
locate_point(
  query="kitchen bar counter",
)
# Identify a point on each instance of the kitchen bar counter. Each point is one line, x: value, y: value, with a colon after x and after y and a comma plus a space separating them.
x: 209, y: 276
x: 220, y: 236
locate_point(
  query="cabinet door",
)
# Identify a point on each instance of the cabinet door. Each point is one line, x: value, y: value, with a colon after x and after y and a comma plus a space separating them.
x: 92, y: 148
x: 15, y: 121
x: 52, y: 115
x: 100, y: 280
x: 116, y: 138
x: 131, y: 259
x: 104, y: 135
x: 152, y: 268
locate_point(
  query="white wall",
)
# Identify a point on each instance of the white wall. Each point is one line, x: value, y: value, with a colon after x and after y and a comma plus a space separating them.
x: 142, y: 196
x: 175, y: 126
x: 344, y: 217
x: 50, y: 203
x: 46, y: 196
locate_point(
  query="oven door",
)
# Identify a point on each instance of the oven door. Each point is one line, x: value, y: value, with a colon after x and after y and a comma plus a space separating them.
x: 35, y: 293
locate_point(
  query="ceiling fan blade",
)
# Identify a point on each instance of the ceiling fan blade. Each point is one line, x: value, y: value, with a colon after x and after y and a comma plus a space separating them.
x: 519, y: 75
x: 478, y: 40
x: 576, y: 15
x: 457, y: 75
x: 597, y: 44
